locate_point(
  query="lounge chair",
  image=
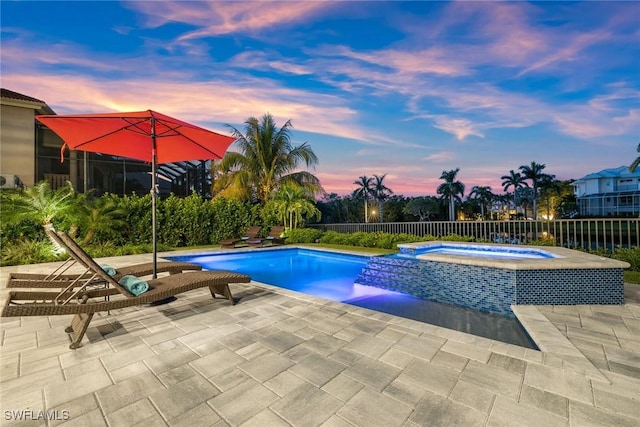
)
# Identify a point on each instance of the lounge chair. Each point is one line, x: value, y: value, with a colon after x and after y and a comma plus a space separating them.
x: 84, y: 301
x: 58, y: 278
x: 273, y: 238
x: 252, y: 233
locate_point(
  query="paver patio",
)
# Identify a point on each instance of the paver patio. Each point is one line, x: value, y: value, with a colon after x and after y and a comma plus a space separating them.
x: 280, y: 358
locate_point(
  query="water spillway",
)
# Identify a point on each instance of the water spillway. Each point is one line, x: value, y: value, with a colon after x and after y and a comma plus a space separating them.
x: 494, y: 284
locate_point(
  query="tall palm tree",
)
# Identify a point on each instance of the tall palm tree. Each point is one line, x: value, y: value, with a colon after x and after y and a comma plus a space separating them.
x: 451, y: 189
x: 483, y: 195
x: 636, y: 162
x: 514, y: 180
x: 266, y: 160
x: 365, y: 189
x: 533, y: 172
x: 380, y: 193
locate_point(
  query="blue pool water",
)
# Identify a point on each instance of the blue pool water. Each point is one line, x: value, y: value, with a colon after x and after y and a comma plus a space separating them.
x: 331, y: 275
x: 476, y: 250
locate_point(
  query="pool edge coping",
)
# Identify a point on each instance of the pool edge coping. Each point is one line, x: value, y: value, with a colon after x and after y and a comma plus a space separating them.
x: 565, y: 258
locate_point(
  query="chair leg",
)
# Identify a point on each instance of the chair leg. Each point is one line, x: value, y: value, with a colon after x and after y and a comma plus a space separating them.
x: 222, y: 290
x: 79, y: 325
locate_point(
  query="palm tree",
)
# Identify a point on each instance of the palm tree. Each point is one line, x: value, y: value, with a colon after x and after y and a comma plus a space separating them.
x: 483, y: 195
x: 380, y: 193
x: 266, y: 160
x: 534, y: 173
x: 549, y: 186
x: 636, y: 162
x: 292, y: 204
x: 39, y: 202
x: 363, y: 192
x: 514, y: 180
x: 451, y: 189
x: 99, y: 215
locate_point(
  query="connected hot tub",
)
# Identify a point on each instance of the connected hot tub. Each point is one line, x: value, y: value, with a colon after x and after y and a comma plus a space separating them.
x: 492, y: 277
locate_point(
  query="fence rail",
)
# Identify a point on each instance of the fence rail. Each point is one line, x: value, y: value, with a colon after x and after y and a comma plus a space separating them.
x: 572, y: 233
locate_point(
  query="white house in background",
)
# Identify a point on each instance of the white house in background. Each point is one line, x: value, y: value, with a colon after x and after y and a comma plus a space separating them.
x: 610, y: 192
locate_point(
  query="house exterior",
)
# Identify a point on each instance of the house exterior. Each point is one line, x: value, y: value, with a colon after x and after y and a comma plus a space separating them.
x: 610, y: 192
x: 23, y: 161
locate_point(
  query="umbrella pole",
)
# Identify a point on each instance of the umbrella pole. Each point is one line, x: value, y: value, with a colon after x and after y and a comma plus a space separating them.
x: 154, y: 159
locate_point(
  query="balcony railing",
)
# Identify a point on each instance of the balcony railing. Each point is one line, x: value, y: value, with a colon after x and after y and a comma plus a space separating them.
x: 56, y: 180
x: 627, y: 187
x: 571, y: 233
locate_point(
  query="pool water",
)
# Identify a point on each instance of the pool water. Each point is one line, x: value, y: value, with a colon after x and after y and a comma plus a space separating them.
x: 331, y: 275
x: 478, y: 251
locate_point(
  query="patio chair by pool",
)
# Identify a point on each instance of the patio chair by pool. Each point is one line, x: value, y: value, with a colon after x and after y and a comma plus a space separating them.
x: 58, y: 278
x: 252, y: 233
x: 273, y: 238
x: 84, y: 301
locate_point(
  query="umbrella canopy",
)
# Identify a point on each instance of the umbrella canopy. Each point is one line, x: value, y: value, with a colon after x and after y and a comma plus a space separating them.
x: 142, y: 135
x: 130, y: 135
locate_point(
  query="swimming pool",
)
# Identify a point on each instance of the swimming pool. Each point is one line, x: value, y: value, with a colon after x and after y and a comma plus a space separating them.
x: 332, y: 275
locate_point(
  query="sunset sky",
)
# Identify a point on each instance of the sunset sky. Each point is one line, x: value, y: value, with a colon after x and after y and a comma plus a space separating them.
x: 409, y: 89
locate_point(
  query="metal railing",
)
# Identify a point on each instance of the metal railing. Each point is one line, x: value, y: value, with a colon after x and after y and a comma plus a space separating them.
x: 56, y: 180
x: 571, y: 233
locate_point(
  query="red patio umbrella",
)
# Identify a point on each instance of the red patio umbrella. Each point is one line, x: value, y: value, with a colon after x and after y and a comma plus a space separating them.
x: 142, y: 135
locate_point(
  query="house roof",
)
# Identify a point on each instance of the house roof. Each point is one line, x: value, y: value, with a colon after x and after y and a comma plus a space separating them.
x: 18, y: 98
x: 6, y: 93
x: 619, y: 172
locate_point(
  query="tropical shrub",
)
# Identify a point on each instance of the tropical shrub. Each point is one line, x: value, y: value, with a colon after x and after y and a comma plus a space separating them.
x: 303, y: 235
x: 25, y: 229
x: 39, y: 203
x: 136, y: 217
x: 630, y: 255
x: 542, y: 242
x: 29, y: 252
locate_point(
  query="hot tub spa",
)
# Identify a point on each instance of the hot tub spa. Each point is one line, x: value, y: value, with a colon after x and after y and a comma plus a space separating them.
x: 492, y: 277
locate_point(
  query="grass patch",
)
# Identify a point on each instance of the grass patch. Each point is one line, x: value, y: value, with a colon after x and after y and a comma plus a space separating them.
x: 632, y: 276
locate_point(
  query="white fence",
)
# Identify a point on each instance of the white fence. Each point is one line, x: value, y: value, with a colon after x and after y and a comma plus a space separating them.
x: 572, y: 233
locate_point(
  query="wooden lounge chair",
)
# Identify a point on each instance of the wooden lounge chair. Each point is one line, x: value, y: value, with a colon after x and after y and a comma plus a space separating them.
x: 273, y: 238
x: 59, y: 279
x: 252, y: 233
x: 84, y: 301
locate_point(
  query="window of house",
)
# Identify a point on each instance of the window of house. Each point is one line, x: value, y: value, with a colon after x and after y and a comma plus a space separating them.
x: 626, y: 200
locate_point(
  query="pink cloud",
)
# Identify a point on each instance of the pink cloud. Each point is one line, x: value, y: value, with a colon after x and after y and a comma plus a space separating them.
x: 461, y: 128
x: 441, y: 157
x: 198, y: 101
x: 220, y: 17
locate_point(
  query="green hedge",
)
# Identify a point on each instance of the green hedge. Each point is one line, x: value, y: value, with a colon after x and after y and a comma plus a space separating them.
x: 303, y: 235
x: 370, y: 240
x: 182, y: 221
